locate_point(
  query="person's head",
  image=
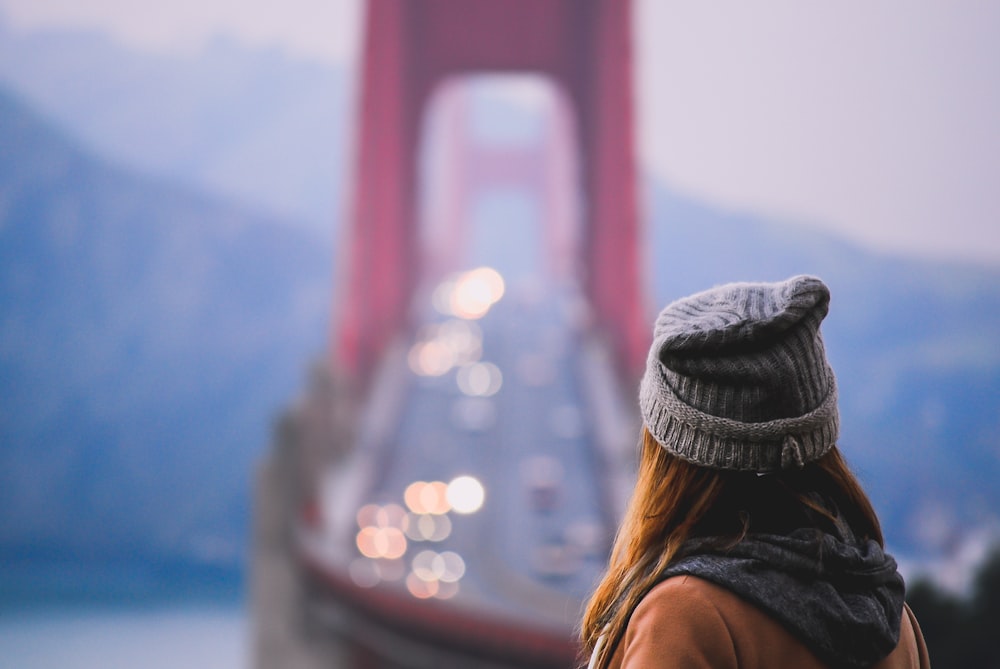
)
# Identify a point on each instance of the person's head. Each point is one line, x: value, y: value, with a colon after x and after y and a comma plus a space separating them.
x: 740, y: 422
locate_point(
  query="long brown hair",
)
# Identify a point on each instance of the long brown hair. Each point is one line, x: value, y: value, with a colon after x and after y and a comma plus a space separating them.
x: 675, y: 500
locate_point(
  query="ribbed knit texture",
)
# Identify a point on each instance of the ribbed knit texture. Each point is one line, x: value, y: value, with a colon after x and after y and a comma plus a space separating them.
x: 737, y: 377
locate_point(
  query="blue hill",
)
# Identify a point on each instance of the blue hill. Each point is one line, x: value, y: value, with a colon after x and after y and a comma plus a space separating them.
x: 148, y: 335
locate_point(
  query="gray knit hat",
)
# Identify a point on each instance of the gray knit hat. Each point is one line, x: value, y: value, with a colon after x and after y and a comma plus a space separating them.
x: 737, y: 377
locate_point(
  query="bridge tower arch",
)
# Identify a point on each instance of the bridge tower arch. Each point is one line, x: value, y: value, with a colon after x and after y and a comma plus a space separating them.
x: 583, y: 46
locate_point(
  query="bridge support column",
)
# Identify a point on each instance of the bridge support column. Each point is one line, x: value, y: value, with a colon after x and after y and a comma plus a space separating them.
x: 612, y: 240
x: 381, y: 257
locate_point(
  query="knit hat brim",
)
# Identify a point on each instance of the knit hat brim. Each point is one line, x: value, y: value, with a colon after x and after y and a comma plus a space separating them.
x: 721, y: 443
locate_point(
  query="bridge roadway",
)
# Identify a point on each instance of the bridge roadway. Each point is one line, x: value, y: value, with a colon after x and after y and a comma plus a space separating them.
x: 523, y: 408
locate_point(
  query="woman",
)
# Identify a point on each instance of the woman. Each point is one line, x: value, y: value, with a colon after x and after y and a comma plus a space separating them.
x: 748, y: 542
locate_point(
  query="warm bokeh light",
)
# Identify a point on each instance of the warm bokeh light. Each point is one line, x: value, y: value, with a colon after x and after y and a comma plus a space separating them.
x: 431, y: 358
x: 446, y: 590
x: 435, y: 574
x: 366, y: 541
x: 463, y: 338
x: 381, y: 542
x: 466, y: 494
x: 382, y: 533
x: 391, y: 543
x: 423, y: 566
x: 479, y: 379
x: 471, y: 298
x: 412, y: 496
x: 469, y: 295
x: 420, y: 588
x: 440, y: 347
x: 434, y: 498
x: 391, y: 515
x: 441, y: 297
x: 368, y: 514
x: 427, y: 497
x: 492, y: 280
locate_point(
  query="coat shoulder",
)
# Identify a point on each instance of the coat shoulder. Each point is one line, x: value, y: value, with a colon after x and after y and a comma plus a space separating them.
x: 718, y: 626
x: 677, y: 624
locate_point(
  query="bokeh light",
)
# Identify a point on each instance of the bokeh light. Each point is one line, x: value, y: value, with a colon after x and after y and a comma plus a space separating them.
x: 391, y: 515
x: 423, y: 565
x: 442, y: 346
x: 491, y: 279
x: 463, y: 338
x: 423, y: 497
x: 412, y: 496
x: 469, y: 295
x: 426, y: 527
x: 479, y: 379
x: 381, y: 542
x: 441, y: 297
x: 368, y: 515
x: 446, y: 590
x: 470, y: 298
x: 382, y: 533
x: 430, y: 358
x: 448, y: 566
x: 466, y: 494
x: 420, y: 588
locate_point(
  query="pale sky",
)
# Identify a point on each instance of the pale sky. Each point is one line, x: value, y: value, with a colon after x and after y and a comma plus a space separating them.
x: 879, y: 120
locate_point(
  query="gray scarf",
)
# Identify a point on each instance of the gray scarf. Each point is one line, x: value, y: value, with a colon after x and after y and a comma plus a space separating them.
x: 842, y: 598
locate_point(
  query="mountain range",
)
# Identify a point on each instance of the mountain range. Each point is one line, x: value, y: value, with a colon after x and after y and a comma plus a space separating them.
x: 149, y: 334
x: 166, y: 246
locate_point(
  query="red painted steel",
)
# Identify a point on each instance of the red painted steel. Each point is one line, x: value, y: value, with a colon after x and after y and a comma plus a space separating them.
x: 584, y: 47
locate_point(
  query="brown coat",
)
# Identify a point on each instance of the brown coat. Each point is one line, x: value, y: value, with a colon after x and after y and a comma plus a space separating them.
x: 688, y: 623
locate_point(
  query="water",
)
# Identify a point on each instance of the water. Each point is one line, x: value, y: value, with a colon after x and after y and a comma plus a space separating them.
x: 149, y: 638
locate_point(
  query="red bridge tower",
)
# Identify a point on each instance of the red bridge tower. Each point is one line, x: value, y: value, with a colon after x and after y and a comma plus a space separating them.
x: 583, y: 46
